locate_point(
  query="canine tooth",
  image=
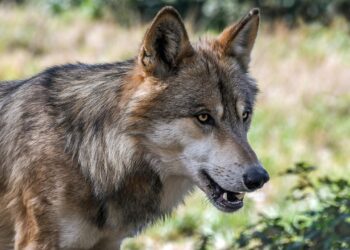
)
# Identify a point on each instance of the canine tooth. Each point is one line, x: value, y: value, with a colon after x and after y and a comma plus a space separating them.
x: 225, y: 196
x: 240, y: 196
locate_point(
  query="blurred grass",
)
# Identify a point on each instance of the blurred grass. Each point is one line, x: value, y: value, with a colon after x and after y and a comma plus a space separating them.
x: 302, y: 113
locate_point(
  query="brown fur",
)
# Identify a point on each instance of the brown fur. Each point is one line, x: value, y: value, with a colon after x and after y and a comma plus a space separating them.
x: 91, y: 154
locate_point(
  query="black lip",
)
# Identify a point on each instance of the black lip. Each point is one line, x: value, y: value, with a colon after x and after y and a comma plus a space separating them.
x: 216, y: 196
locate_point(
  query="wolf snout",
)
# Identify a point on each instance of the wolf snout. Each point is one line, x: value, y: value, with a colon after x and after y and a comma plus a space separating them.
x: 255, y: 177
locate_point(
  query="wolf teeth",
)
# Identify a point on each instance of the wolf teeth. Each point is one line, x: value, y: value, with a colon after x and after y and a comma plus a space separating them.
x: 240, y: 196
x: 225, y: 196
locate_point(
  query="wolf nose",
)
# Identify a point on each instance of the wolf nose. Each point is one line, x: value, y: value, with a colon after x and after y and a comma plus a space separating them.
x: 255, y: 178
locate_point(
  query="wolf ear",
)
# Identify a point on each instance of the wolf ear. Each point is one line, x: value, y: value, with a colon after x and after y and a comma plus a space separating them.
x: 165, y: 43
x: 238, y: 39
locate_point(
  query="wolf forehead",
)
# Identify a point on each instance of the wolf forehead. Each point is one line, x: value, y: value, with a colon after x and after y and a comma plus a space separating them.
x: 208, y: 79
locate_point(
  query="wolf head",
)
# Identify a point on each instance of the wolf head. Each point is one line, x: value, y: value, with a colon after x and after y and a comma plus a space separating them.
x: 196, y: 105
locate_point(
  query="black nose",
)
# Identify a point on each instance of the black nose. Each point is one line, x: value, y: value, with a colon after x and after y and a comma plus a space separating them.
x: 255, y: 178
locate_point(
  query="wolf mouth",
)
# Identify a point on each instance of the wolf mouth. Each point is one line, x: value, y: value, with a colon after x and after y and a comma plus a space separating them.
x: 224, y: 200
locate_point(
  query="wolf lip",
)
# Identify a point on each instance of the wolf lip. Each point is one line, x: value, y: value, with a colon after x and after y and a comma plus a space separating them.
x: 224, y: 200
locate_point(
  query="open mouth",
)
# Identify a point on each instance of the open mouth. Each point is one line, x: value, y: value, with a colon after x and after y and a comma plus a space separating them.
x: 224, y: 200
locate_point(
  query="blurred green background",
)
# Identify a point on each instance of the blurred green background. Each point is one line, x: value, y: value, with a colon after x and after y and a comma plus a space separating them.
x: 302, y: 63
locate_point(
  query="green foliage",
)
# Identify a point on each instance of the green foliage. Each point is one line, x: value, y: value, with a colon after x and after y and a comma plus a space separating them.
x: 327, y: 227
x: 93, y: 8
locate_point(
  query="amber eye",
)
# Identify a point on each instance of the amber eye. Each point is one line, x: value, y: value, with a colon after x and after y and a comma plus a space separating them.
x: 205, y: 119
x: 245, y: 116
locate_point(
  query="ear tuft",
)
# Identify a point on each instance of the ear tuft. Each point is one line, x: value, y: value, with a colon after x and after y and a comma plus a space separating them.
x: 238, y: 39
x: 165, y: 43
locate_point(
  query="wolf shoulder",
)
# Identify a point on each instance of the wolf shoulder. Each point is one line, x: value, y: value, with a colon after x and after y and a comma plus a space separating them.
x: 68, y: 74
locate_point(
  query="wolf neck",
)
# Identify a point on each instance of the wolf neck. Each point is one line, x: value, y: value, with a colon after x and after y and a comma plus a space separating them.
x: 92, y: 121
x: 99, y: 134
x: 100, y: 137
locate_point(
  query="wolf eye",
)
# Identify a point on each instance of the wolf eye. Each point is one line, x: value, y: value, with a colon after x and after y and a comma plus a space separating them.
x: 245, y: 116
x: 205, y: 119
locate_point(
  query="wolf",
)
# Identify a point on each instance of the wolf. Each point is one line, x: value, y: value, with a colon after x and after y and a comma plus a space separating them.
x: 92, y: 154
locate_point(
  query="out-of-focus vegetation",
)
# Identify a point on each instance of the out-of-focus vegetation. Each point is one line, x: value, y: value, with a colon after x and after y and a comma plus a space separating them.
x: 302, y: 113
x: 205, y: 13
x: 325, y: 224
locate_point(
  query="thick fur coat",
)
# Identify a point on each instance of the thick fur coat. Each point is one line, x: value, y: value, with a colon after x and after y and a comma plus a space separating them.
x: 91, y: 154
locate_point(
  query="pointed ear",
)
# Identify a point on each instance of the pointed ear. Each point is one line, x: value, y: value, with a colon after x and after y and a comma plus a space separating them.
x: 238, y: 39
x: 165, y: 43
